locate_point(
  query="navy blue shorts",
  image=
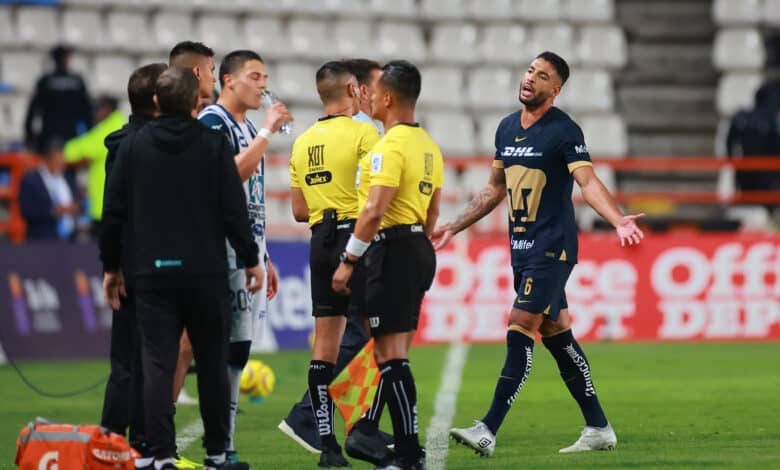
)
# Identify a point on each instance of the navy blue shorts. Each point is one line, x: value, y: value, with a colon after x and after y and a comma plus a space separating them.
x: 540, y: 286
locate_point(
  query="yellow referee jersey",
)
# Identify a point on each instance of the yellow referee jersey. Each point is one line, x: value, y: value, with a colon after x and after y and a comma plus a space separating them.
x: 324, y: 164
x: 408, y: 159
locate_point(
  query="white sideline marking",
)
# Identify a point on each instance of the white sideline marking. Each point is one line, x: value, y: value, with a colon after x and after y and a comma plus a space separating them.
x: 437, y: 444
x: 189, y: 434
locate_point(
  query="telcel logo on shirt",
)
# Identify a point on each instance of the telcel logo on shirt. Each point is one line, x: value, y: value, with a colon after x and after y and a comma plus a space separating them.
x: 510, y: 151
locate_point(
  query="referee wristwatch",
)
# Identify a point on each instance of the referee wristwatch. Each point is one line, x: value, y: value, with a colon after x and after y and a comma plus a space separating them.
x: 344, y: 258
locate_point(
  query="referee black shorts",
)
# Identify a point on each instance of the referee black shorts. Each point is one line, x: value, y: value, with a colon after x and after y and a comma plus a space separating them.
x: 400, y: 266
x: 323, y: 261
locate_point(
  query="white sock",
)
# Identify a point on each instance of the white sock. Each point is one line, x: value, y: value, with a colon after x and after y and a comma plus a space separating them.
x: 144, y: 461
x: 217, y: 459
x: 234, y: 378
x: 158, y: 464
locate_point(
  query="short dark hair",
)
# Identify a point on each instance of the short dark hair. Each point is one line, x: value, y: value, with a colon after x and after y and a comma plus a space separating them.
x: 176, y: 90
x: 560, y: 65
x: 140, y: 88
x: 234, y: 61
x: 362, y: 69
x: 328, y: 77
x: 108, y: 101
x: 187, y: 49
x: 403, y: 78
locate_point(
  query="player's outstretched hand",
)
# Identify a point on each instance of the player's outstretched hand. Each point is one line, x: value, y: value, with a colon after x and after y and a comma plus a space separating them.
x: 273, y: 281
x: 113, y: 288
x: 341, y: 278
x: 277, y: 115
x: 254, y: 278
x: 627, y: 230
x: 441, y: 236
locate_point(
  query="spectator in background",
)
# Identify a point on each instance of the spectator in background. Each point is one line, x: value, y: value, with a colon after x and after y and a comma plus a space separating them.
x: 46, y: 198
x: 757, y: 133
x: 60, y: 107
x: 90, y: 148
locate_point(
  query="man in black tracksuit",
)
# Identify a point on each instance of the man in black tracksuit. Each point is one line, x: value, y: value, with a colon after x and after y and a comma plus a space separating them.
x: 123, y: 402
x: 176, y: 186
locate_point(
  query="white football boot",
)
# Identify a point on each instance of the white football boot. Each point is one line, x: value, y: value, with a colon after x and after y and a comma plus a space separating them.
x: 477, y: 437
x: 593, y: 439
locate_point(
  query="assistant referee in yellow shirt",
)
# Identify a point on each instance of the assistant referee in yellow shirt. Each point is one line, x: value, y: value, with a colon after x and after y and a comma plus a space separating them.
x: 323, y: 169
x: 405, y: 179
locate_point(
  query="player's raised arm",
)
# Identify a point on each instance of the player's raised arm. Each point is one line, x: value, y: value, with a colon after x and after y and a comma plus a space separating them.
x: 480, y: 205
x: 598, y: 197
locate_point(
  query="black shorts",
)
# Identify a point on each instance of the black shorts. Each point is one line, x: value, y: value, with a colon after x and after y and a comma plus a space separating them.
x: 540, y: 286
x: 323, y: 260
x: 399, y: 270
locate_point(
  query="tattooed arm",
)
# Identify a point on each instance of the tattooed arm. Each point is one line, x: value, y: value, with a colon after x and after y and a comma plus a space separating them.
x: 480, y: 205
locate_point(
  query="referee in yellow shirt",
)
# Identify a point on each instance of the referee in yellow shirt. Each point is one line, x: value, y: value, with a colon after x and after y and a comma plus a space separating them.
x: 405, y: 177
x: 323, y: 169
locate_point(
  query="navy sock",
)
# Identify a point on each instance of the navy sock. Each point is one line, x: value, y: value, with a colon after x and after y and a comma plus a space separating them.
x: 401, y: 397
x: 519, y: 357
x: 320, y: 376
x: 575, y: 372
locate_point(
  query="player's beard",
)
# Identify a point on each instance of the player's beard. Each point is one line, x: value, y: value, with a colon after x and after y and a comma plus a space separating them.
x: 537, y: 100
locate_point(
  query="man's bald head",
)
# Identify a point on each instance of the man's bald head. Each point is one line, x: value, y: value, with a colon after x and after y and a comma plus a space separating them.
x: 333, y: 81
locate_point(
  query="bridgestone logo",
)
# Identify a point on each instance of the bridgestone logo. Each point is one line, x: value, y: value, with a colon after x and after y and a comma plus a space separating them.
x: 529, y: 359
x: 582, y: 365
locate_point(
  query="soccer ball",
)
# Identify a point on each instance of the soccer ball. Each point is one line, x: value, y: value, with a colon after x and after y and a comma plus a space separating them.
x: 257, y: 379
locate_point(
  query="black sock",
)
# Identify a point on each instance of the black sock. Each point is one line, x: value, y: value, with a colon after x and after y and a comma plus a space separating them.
x: 575, y: 372
x: 400, y: 394
x: 320, y: 376
x: 369, y: 422
x: 517, y: 366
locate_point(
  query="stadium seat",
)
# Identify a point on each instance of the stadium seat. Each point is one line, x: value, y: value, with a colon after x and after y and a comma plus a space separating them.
x: 309, y: 39
x: 558, y: 38
x: 400, y: 40
x: 475, y: 177
x: 443, y: 9
x: 265, y: 36
x: 20, y: 70
x: 441, y: 87
x: 487, y: 10
x: 129, y: 31
x: 486, y: 131
x: 277, y: 178
x: 587, y: 90
x: 452, y: 188
x: 736, y: 91
x: 531, y: 11
x: 83, y: 28
x: 506, y: 44
x: 111, y: 74
x: 294, y: 82
x: 729, y: 12
x: 738, y: 48
x: 7, y: 32
x: 168, y: 28
x: 13, y: 109
x: 492, y: 87
x: 82, y: 64
x: 590, y: 11
x: 353, y: 38
x: 395, y: 9
x: 454, y: 42
x: 37, y: 26
x: 605, y: 135
x: 453, y: 132
x: 220, y: 32
x: 771, y: 13
x: 603, y: 46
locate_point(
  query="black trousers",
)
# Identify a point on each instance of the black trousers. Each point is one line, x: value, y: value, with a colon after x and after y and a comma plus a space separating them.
x: 123, y: 400
x: 162, y: 314
x: 355, y: 337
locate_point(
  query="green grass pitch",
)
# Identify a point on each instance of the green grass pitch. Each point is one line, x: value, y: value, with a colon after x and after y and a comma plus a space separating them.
x: 673, y: 406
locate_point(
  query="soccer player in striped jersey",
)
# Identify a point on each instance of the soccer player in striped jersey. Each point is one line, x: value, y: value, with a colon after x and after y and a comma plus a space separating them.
x: 243, y: 78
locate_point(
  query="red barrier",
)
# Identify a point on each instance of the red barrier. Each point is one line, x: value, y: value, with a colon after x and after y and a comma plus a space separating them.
x: 671, y: 287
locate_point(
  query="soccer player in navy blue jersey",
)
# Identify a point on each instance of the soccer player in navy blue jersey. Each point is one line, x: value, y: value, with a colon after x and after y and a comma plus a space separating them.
x: 540, y: 152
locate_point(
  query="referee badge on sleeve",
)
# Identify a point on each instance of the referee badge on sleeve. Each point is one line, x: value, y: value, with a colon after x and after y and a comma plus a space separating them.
x: 376, y: 163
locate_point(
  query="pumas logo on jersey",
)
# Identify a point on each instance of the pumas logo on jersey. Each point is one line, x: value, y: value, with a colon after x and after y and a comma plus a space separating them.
x: 510, y: 151
x: 581, y: 148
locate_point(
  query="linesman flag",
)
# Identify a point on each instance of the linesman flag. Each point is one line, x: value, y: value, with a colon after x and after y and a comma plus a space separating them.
x: 354, y: 388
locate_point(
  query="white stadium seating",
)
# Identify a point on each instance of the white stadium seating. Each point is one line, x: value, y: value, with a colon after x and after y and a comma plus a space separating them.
x: 605, y: 135
x: 37, y: 26
x: 454, y: 132
x: 731, y: 12
x: 736, y: 91
x: 442, y: 86
x: 129, y: 31
x: 454, y: 42
x: 603, y: 46
x: 7, y: 29
x: 264, y: 35
x: 587, y: 90
x: 111, y: 74
x: 395, y: 39
x: 168, y: 27
x: 506, y: 44
x: 353, y: 38
x: 590, y: 11
x: 532, y: 11
x: 738, y: 48
x: 492, y: 87
x: 220, y: 32
x: 82, y: 26
x: 21, y: 70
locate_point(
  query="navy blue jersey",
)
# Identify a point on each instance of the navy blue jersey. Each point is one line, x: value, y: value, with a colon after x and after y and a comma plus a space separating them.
x: 538, y: 162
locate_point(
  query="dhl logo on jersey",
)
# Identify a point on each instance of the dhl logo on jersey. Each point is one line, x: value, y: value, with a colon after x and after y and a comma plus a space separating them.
x: 510, y: 151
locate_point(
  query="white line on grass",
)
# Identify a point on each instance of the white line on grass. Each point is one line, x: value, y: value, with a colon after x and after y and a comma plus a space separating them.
x: 189, y: 434
x: 437, y: 444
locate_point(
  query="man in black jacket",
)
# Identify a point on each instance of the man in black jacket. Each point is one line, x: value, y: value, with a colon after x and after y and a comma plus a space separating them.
x: 123, y: 402
x: 176, y: 186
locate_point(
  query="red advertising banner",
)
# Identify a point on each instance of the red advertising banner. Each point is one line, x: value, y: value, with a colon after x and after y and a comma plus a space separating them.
x: 670, y: 287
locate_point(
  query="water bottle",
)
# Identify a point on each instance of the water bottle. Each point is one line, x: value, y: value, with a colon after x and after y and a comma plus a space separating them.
x: 270, y: 98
